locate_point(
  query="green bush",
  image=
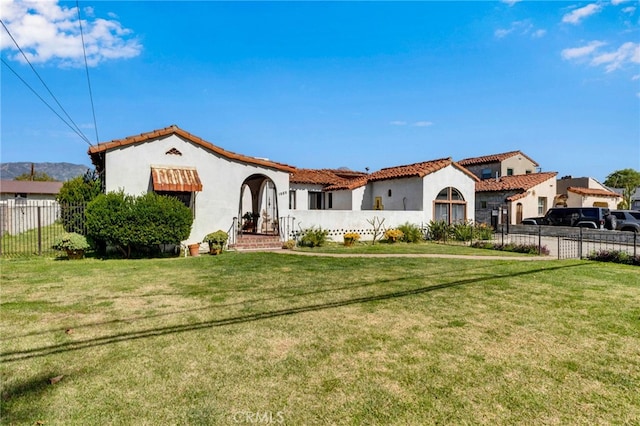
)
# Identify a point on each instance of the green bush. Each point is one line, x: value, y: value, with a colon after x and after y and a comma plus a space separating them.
x: 439, y: 230
x: 516, y: 248
x: 217, y: 239
x: 312, y: 237
x: 615, y: 256
x: 462, y: 231
x: 137, y: 224
x: 71, y: 241
x: 411, y: 233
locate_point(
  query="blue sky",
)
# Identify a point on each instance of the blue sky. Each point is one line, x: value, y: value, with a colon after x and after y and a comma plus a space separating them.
x: 328, y: 85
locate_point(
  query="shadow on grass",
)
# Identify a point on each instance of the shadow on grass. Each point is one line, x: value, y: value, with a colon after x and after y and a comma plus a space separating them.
x: 10, y: 356
x: 325, y: 289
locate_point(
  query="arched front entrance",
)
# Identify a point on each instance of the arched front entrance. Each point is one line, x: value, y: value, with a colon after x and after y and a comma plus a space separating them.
x: 258, y: 206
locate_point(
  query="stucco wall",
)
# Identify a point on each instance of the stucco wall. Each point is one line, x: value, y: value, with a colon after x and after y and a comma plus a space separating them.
x: 443, y: 178
x: 577, y: 200
x: 406, y: 194
x: 339, y: 222
x: 519, y: 164
x: 129, y: 168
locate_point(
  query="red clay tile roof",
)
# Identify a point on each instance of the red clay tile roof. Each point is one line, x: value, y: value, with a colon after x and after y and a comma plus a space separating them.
x: 400, y: 172
x: 493, y: 158
x: 519, y: 183
x: 593, y: 192
x: 175, y: 130
x: 29, y: 187
x: 314, y: 176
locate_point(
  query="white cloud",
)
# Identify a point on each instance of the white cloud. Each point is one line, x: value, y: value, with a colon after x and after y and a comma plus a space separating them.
x: 577, y: 15
x: 423, y: 123
x: 630, y: 10
x: 524, y: 27
x: 627, y: 53
x: 50, y: 33
x: 579, y: 52
x: 617, y: 2
x: 635, y: 77
x: 398, y: 123
x: 510, y: 2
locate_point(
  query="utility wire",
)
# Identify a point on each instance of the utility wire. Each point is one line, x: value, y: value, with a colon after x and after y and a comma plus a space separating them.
x: 82, y: 136
x: 86, y: 67
x: 77, y: 129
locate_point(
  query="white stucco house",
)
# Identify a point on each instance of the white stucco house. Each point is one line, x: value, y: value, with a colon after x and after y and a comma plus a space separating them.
x: 585, y: 192
x: 218, y: 185
x: 277, y: 199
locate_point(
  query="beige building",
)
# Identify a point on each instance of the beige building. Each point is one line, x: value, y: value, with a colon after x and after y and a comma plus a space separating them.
x: 585, y: 192
x: 498, y: 165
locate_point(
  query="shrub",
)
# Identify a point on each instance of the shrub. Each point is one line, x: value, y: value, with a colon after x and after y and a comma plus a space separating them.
x: 462, y: 231
x: 439, y: 230
x: 137, y: 224
x: 393, y: 235
x: 70, y: 241
x: 482, y: 231
x: 615, y: 256
x: 350, y: 238
x: 312, y: 237
x: 216, y: 240
x: 411, y: 233
x: 516, y: 248
x: 289, y: 244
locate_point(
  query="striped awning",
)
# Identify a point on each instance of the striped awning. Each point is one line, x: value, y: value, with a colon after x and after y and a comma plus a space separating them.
x: 178, y: 179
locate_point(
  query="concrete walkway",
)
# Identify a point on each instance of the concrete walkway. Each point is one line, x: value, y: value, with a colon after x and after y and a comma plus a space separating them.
x: 416, y: 255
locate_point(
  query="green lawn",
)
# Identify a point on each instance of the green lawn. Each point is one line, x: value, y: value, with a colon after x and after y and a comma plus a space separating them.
x: 242, y: 338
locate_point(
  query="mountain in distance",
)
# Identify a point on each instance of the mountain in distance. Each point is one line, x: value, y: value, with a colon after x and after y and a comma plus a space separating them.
x: 59, y: 171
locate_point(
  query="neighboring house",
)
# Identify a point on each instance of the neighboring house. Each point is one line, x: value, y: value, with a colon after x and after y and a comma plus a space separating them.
x: 635, y: 199
x: 306, y: 189
x: 218, y: 185
x: 585, y: 192
x: 509, y: 199
x: 498, y: 165
x: 29, y: 192
x: 21, y: 202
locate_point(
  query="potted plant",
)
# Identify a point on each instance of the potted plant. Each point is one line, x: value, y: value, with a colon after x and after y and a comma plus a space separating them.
x: 250, y: 220
x: 71, y: 242
x: 350, y: 238
x: 216, y: 241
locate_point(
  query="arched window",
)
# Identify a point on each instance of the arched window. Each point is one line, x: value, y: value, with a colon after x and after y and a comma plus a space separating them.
x: 450, y: 206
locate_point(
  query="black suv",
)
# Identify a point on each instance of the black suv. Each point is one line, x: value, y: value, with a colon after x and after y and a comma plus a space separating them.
x: 628, y: 220
x: 584, y: 217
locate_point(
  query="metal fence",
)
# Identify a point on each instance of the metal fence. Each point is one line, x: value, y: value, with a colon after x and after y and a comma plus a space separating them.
x: 569, y: 242
x: 29, y: 228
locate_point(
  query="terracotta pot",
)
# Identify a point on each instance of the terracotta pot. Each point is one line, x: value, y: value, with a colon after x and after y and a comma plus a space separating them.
x: 75, y: 254
x: 194, y: 249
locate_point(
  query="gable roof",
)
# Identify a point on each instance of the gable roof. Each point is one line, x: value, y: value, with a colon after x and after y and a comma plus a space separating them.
x: 593, y: 192
x: 95, y: 151
x: 29, y: 187
x: 494, y: 158
x: 314, y: 176
x: 400, y: 172
x: 516, y: 183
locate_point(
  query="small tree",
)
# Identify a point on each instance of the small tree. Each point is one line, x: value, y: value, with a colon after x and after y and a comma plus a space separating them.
x: 628, y: 180
x: 73, y: 197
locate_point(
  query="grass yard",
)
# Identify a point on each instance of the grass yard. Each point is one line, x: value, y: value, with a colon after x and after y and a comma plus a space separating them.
x: 259, y: 338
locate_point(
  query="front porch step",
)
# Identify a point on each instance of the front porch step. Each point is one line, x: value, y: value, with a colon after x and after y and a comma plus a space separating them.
x: 256, y: 242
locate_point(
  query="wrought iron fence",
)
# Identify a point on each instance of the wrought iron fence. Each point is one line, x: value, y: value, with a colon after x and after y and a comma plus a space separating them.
x: 570, y: 242
x: 29, y: 227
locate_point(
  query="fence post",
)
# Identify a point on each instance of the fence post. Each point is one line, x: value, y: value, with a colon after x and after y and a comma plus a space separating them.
x: 502, y: 231
x: 39, y: 211
x: 635, y: 245
x: 558, y: 247
x: 580, y: 243
x: 539, y: 240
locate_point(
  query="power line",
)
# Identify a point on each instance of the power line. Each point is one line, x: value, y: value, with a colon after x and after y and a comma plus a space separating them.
x: 82, y: 136
x: 86, y: 67
x: 77, y: 129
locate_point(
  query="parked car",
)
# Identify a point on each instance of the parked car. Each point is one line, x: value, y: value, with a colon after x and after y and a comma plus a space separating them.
x: 584, y: 217
x: 627, y: 220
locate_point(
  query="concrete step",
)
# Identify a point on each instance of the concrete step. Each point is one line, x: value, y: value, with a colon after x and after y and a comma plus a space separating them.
x: 256, y: 242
